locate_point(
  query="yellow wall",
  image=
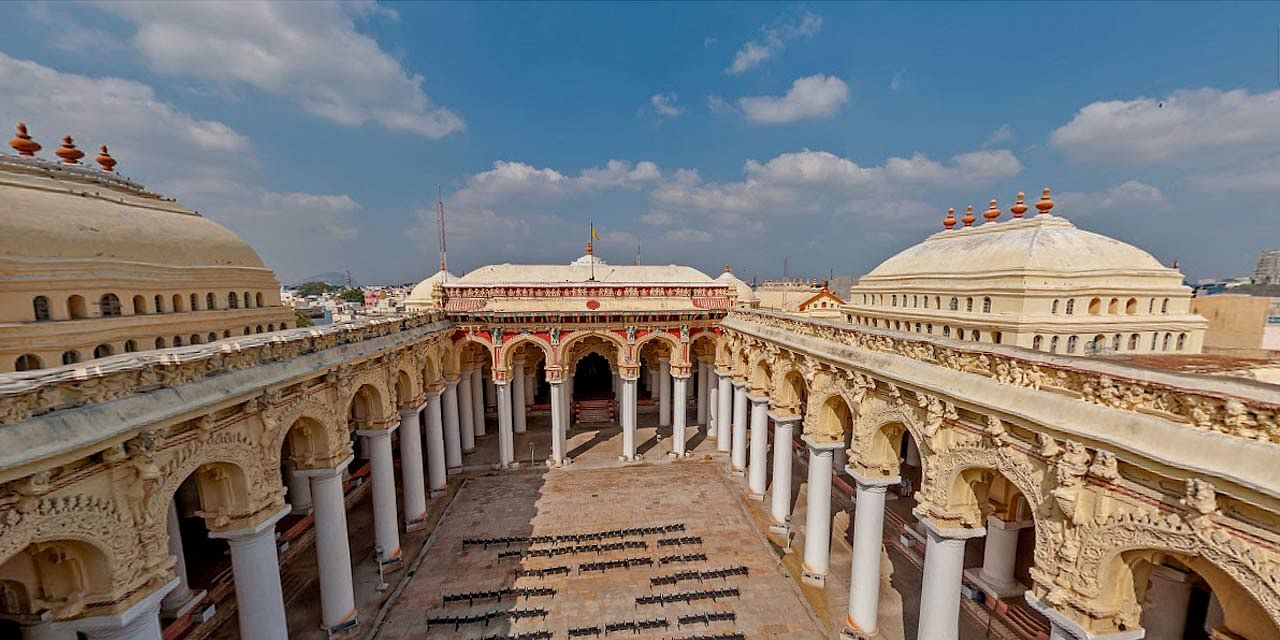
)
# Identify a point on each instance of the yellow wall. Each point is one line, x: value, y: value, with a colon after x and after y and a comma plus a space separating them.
x: 1235, y: 321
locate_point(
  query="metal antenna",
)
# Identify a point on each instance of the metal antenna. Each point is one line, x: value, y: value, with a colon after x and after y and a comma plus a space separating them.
x: 444, y: 253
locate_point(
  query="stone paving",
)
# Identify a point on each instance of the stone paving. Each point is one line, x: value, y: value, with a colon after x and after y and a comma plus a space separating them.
x: 585, y: 499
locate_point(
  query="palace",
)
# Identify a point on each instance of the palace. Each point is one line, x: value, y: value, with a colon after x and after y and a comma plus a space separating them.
x: 167, y: 486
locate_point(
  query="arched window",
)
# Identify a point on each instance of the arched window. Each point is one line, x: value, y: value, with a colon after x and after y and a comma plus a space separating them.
x: 177, y: 303
x: 177, y: 341
x: 1151, y: 305
x: 1071, y: 307
x: 1182, y: 341
x: 1054, y: 309
x: 27, y: 362
x: 1131, y: 306
x: 1164, y: 306
x: 1133, y: 342
x: 40, y: 305
x: 130, y: 346
x: 226, y: 333
x: 272, y: 327
x: 195, y: 338
x: 986, y: 305
x: 968, y: 304
x: 946, y: 332
x: 1167, y: 338
x: 257, y: 299
x: 917, y: 327
x: 284, y: 325
x: 247, y: 301
x: 102, y: 351
x: 1154, y: 338
x: 213, y: 337
x: 76, y: 308
x: 937, y: 302
x: 195, y: 302
x: 210, y: 301
x: 895, y: 300
x: 70, y: 357
x: 233, y: 300
x: 915, y: 301
x: 929, y: 328
x: 139, y: 305
x: 997, y: 337
x: 1053, y: 345
x: 1095, y: 307
x: 159, y: 302
x: 160, y: 343
x: 1036, y: 342
x: 109, y: 305
x: 955, y: 304
x: 258, y: 329
x: 977, y: 335
x: 1113, y: 307
x: 960, y: 334
x: 1071, y: 344
x: 248, y: 331
x: 1115, y: 342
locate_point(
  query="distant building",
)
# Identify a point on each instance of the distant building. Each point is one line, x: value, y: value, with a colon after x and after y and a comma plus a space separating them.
x: 1268, y: 269
x: 1246, y: 318
x: 803, y: 297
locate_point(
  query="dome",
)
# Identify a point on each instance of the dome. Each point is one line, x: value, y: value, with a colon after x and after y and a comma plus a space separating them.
x: 423, y: 295
x: 1044, y: 244
x: 55, y: 212
x: 745, y: 294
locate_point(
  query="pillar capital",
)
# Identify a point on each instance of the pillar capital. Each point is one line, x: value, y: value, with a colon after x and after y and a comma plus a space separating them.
x: 452, y: 381
x: 950, y: 533
x: 129, y: 623
x: 757, y: 399
x: 434, y: 391
x: 818, y: 446
x: 739, y: 384
x: 380, y: 432
x: 326, y: 472
x: 871, y: 483
x: 268, y: 520
x: 787, y: 420
x: 1073, y: 629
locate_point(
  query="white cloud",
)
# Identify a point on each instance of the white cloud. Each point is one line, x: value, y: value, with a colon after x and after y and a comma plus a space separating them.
x: 1001, y: 135
x: 897, y: 82
x: 772, y: 41
x: 716, y: 104
x: 816, y: 96
x: 710, y: 41
x: 519, y: 181
x: 974, y: 167
x: 687, y: 235
x: 618, y: 174
x: 1261, y: 176
x: 1131, y: 196
x: 658, y: 218
x: 664, y: 104
x: 1188, y: 128
x: 311, y: 53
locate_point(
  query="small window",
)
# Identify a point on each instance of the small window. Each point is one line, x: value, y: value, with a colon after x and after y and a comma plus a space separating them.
x: 926, y: 301
x: 212, y: 337
x: 258, y: 329
x: 997, y: 337
x: 1133, y: 342
x: 109, y: 305
x: 177, y: 341
x: 27, y: 362
x: 177, y: 303
x: 1167, y: 338
x: 159, y: 302
x: 917, y: 327
x: 1131, y: 306
x: 1164, y: 306
x: 1095, y: 307
x: 76, y: 308
x: 247, y: 303
x: 195, y: 338
x: 946, y: 332
x: 977, y: 336
x: 160, y: 343
x: 70, y: 357
x: 1113, y: 307
x: 915, y: 301
x: 226, y: 333
x: 130, y: 346
x: 895, y: 300
x: 139, y: 305
x: 960, y: 334
x: 955, y: 304
x: 1053, y: 345
x: 1054, y: 308
x: 40, y: 305
x: 929, y: 328
x: 102, y: 351
x: 1154, y: 338
x: 1071, y: 344
x: 1151, y: 306
x: 1037, y: 342
x: 248, y: 331
x: 1182, y: 341
x: 968, y: 304
x: 271, y: 327
x: 986, y: 305
x: 1071, y: 307
x: 233, y: 300
x: 1115, y: 342
x: 937, y: 302
x: 195, y: 302
x: 210, y: 301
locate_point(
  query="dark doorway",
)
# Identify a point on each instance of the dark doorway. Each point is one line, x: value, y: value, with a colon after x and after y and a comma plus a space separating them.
x: 592, y: 378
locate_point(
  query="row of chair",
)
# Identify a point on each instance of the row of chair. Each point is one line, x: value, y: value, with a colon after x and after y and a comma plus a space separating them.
x: 736, y: 635
x: 679, y: 542
x: 542, y: 572
x: 625, y: 563
x: 694, y: 574
x: 531, y: 635
x: 705, y: 619
x: 688, y: 596
x: 636, y: 626
x: 688, y: 557
x: 486, y: 617
x: 632, y: 532
x: 509, y: 592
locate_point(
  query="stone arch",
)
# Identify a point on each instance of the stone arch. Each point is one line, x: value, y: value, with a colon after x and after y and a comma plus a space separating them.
x: 62, y: 575
x: 760, y: 378
x: 790, y: 390
x: 232, y: 474
x: 878, y: 432
x: 1111, y: 577
x: 464, y: 346
x: 828, y: 416
x: 372, y: 381
x: 617, y: 359
x: 366, y: 407
x: 510, y: 348
x: 704, y: 344
x: 406, y: 393
x: 679, y: 357
x: 431, y: 373
x: 724, y: 354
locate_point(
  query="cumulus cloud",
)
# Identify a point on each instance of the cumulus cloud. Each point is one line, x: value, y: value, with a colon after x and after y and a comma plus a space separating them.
x: 1187, y: 128
x: 658, y: 218
x: 773, y: 39
x: 1262, y: 176
x: 521, y: 181
x: 1132, y: 196
x: 311, y: 53
x: 716, y: 104
x: 664, y: 104
x: 1001, y: 135
x: 811, y: 97
x: 691, y: 236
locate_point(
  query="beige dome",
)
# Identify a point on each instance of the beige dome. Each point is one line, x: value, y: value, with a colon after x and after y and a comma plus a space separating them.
x: 1042, y: 244
x: 423, y: 295
x: 745, y: 294
x: 55, y: 213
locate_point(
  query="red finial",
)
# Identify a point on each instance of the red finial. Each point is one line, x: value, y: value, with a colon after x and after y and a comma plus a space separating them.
x: 22, y: 143
x: 968, y: 216
x: 727, y: 269
x: 1045, y: 204
x: 105, y: 160
x: 949, y: 222
x: 992, y: 211
x: 1019, y: 207
x: 68, y: 151
x: 588, y: 247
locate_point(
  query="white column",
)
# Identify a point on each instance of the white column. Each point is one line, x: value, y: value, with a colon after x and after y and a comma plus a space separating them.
x: 628, y: 410
x: 664, y: 393
x: 739, y: 460
x: 568, y: 403
x: 653, y: 384
x: 490, y: 392
x: 1063, y: 628
x: 713, y: 405
x: 436, y: 477
x: 477, y: 401
x: 999, y: 554
x: 411, y: 471
x: 452, y: 437
x: 757, y: 471
x: 299, y: 493
x: 47, y: 630
x: 913, y: 454
x: 1164, y: 609
x: 678, y: 418
x: 382, y: 472
x: 179, y: 601
x: 557, y: 423
x: 868, y: 539
x: 817, y: 524
x: 518, y: 406
x: 255, y: 568
x: 724, y: 413
x: 940, y: 589
x: 139, y: 622
x: 780, y: 500
x: 702, y: 387
x: 506, y: 439
x: 333, y: 553
x: 530, y: 388
x: 466, y: 410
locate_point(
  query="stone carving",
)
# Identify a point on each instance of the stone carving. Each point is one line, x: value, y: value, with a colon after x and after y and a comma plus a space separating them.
x: 1105, y: 466
x: 1200, y: 497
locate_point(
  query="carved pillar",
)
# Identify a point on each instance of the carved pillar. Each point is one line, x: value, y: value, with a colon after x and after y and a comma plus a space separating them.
x: 333, y: 552
x: 739, y: 459
x: 452, y: 437
x: 780, y: 500
x: 518, y: 407
x: 557, y: 423
x: 702, y: 387
x: 506, y: 437
x: 436, y: 473
x: 139, y: 622
x: 411, y: 468
x: 255, y: 567
x: 182, y: 599
x: 299, y: 492
x: 466, y: 413
x: 628, y: 410
x: 679, y: 384
x: 868, y: 539
x: 940, y: 589
x: 758, y: 473
x: 1063, y: 628
x: 713, y: 405
x: 1164, y: 609
x: 383, y: 474
x: 477, y: 401
x: 724, y: 413
x: 1000, y: 553
x: 664, y: 392
x: 817, y: 522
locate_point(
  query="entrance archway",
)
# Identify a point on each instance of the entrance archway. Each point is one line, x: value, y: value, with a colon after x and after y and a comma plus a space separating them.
x: 592, y: 378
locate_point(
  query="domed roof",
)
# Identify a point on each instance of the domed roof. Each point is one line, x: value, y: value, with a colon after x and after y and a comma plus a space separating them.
x: 1043, y: 244
x: 745, y: 294
x: 56, y: 212
x: 424, y: 293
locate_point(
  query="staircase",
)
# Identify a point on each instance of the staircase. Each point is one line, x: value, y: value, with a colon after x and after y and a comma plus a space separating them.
x: 595, y: 411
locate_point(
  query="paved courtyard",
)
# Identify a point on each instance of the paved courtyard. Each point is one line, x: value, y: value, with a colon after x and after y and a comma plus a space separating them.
x: 695, y: 494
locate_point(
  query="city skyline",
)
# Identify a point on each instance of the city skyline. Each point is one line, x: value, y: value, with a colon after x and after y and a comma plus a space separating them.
x: 706, y: 134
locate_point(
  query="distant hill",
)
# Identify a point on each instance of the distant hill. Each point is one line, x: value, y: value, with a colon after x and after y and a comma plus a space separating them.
x: 331, y: 277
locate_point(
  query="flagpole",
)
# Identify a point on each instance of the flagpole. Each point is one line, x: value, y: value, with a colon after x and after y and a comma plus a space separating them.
x: 592, y: 257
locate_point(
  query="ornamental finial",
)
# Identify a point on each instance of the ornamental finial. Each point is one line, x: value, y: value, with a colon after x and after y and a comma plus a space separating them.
x: 1019, y: 207
x: 727, y: 269
x: 1045, y: 204
x: 105, y: 160
x: 68, y: 151
x: 968, y: 216
x: 992, y: 211
x: 950, y: 221
x: 22, y: 142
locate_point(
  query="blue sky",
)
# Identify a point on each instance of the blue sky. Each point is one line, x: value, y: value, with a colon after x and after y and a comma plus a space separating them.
x: 831, y: 134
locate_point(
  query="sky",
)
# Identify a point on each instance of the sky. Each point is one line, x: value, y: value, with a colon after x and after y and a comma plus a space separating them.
x: 828, y: 135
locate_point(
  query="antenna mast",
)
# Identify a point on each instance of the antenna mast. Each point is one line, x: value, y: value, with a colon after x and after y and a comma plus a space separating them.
x: 444, y: 254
